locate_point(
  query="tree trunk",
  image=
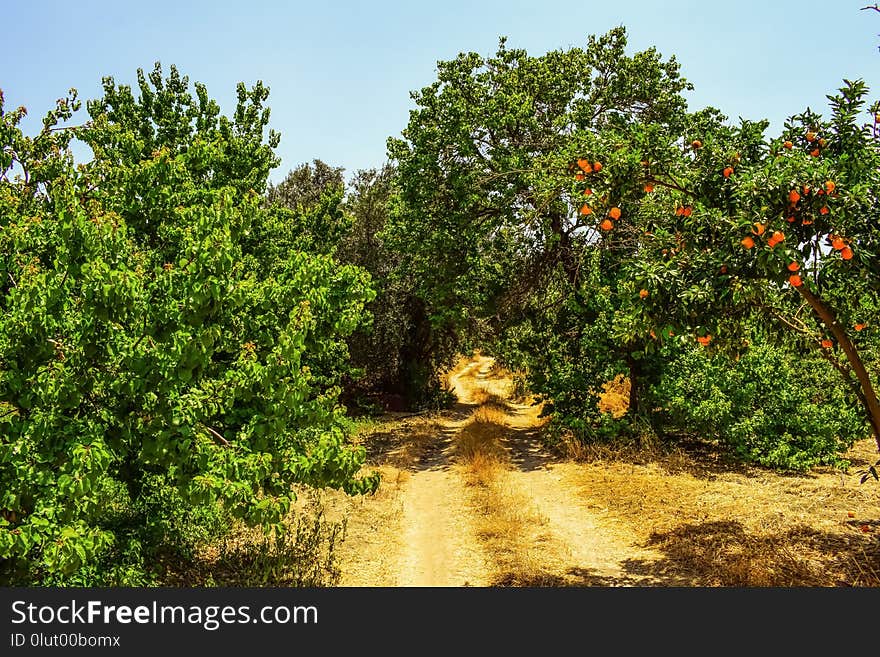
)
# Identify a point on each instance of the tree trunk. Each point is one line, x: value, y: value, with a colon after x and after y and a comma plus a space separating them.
x: 635, y: 380
x: 870, y: 402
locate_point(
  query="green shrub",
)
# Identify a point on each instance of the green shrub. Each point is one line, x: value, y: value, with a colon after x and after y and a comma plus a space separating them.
x: 772, y: 406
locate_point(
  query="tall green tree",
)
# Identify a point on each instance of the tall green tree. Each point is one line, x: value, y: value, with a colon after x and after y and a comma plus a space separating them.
x: 486, y: 213
x: 146, y: 341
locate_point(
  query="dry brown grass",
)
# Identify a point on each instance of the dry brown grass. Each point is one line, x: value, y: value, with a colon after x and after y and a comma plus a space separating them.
x: 478, y: 445
x: 722, y: 526
x: 505, y: 522
x: 614, y: 398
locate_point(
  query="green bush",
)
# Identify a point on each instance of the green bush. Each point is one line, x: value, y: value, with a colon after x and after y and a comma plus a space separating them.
x: 772, y: 406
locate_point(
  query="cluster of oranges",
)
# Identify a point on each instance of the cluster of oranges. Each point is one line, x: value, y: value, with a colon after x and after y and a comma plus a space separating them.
x: 794, y: 196
x: 839, y: 244
x: 683, y: 211
x: 608, y: 224
x: 758, y: 229
x: 585, y: 168
x: 795, y: 278
x: 815, y: 143
x: 776, y: 237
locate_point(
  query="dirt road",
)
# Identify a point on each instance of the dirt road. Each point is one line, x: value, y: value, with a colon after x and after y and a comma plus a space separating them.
x: 470, y: 498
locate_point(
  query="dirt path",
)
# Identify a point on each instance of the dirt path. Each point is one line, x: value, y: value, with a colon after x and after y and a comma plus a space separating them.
x: 469, y: 498
x: 440, y: 547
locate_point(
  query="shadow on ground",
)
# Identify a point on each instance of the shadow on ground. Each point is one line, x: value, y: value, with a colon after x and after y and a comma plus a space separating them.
x: 723, y: 553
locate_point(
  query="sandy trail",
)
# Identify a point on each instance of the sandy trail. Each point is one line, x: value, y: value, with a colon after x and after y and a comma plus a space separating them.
x: 440, y: 546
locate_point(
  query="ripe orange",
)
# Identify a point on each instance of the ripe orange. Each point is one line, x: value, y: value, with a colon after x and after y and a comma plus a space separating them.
x: 696, y: 143
x: 649, y: 188
x: 748, y: 242
x: 704, y: 339
x: 579, y: 176
x: 807, y: 222
x: 815, y: 152
x: 793, y: 196
x: 687, y: 210
x: 806, y: 189
x: 778, y: 236
x: 759, y: 228
x: 614, y: 213
x: 643, y: 293
x: 795, y: 280
x: 679, y: 211
x: 597, y: 166
x: 811, y: 136
x: 793, y: 266
x: 788, y: 145
x: 585, y: 165
x: 837, y: 243
x: 606, y: 225
x: 824, y: 210
x: 850, y: 514
x: 588, y: 191
x: 829, y: 186
x: 586, y: 209
x: 846, y: 253
x: 827, y: 344
x: 727, y: 171
x: 790, y: 220
x: 860, y: 327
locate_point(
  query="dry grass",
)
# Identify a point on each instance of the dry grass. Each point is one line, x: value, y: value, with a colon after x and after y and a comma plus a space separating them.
x: 614, y: 398
x: 721, y: 526
x: 478, y: 445
x: 303, y: 555
x: 505, y: 523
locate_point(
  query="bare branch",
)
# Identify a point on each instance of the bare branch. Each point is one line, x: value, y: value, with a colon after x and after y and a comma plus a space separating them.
x: 217, y: 435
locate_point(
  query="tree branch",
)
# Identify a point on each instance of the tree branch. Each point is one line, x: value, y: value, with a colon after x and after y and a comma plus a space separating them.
x: 217, y: 435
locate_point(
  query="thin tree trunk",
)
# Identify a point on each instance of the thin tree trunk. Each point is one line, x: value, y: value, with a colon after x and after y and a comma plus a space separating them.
x: 872, y: 405
x: 635, y: 376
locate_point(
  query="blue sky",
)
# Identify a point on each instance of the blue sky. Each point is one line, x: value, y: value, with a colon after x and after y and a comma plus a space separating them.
x: 340, y: 73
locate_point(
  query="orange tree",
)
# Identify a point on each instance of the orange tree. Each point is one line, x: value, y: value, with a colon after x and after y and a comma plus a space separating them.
x: 784, y: 229
x: 524, y: 201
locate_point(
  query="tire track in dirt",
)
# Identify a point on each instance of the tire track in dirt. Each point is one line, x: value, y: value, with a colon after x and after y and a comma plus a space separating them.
x: 440, y: 546
x: 584, y: 548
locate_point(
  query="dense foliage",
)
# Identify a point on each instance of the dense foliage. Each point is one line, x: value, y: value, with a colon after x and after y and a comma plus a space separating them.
x: 570, y: 210
x: 150, y: 346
